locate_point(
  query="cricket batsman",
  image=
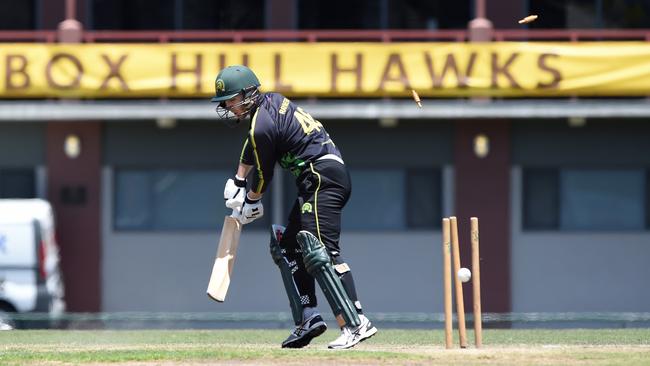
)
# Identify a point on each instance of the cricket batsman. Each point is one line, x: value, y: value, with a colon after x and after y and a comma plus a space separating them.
x: 308, y: 248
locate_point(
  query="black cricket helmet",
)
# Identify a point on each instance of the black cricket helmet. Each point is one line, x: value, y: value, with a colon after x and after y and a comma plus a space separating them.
x: 233, y: 81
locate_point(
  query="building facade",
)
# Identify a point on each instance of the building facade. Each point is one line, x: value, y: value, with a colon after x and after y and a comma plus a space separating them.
x: 562, y: 191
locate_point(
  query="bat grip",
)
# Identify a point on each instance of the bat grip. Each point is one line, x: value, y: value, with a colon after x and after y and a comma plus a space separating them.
x: 236, y: 213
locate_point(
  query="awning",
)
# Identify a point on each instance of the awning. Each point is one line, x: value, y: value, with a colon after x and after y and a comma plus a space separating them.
x: 112, y: 110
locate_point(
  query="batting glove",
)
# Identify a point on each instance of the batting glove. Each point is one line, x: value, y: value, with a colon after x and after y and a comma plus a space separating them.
x: 251, y: 211
x: 234, y: 192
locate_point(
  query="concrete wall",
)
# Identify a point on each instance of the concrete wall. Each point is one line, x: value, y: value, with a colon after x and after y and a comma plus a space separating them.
x: 395, y: 271
x: 169, y: 271
x: 559, y: 271
x: 551, y: 271
x: 577, y: 272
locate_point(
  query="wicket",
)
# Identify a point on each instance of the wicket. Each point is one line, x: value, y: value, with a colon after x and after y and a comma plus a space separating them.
x: 450, y: 245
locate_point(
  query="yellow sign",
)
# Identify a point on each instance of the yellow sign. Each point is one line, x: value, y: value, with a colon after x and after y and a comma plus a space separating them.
x: 505, y: 69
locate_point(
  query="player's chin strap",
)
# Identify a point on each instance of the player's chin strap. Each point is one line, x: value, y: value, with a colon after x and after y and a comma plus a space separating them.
x: 250, y: 98
x: 319, y: 264
x: 286, y: 270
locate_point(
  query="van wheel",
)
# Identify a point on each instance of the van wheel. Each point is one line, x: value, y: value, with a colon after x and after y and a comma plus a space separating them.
x: 6, y: 320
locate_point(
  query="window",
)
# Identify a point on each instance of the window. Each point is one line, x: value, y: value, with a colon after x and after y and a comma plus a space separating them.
x: 541, y: 199
x: 17, y: 15
x: 338, y: 14
x: 231, y: 14
x: 177, y: 14
x: 424, y: 199
x: 173, y: 200
x: 394, y: 199
x: 388, y: 199
x: 585, y: 199
x: 579, y: 14
x: 378, y: 200
x: 384, y: 14
x: 624, y: 14
x: 428, y: 14
x: 647, y: 199
x: 133, y: 14
x: 602, y: 200
x: 17, y: 183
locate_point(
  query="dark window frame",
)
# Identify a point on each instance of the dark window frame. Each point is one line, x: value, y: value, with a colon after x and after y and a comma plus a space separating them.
x: 27, y: 172
x: 526, y: 225
x: 33, y: 13
x: 600, y: 13
x: 412, y: 196
x: 176, y: 15
x: 258, y: 225
x: 526, y: 212
x: 647, y: 199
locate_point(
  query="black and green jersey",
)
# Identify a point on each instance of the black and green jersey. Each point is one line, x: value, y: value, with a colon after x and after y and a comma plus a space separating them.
x: 282, y: 132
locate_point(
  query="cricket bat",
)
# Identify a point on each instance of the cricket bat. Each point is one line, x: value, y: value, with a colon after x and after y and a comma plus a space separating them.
x: 226, y: 253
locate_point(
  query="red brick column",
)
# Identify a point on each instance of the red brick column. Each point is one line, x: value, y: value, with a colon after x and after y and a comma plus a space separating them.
x: 74, y: 189
x: 482, y: 189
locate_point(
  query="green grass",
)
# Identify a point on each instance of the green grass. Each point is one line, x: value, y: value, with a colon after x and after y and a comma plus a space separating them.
x: 390, y: 346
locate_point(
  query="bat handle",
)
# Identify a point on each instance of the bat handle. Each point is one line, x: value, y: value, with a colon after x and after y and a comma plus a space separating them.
x: 236, y: 213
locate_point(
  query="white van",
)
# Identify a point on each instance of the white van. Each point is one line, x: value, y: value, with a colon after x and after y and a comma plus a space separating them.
x: 30, y: 276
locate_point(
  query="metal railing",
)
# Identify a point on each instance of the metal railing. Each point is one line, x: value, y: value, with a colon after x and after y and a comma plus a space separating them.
x: 456, y: 35
x: 292, y: 36
x: 573, y: 35
x: 28, y: 36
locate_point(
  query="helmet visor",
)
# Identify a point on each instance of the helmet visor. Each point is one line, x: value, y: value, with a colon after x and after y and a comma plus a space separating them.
x: 227, y: 112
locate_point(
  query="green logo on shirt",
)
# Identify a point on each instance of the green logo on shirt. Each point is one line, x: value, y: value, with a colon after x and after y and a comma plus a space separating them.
x: 292, y: 163
x: 306, y: 207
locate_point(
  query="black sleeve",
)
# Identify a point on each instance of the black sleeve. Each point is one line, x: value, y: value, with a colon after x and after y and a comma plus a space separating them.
x: 246, y: 156
x: 262, y: 138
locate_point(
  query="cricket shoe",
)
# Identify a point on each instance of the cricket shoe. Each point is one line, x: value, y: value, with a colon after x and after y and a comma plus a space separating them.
x: 350, y: 336
x: 311, y: 328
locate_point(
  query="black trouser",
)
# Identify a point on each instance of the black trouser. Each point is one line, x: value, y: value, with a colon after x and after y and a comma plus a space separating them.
x: 323, y: 190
